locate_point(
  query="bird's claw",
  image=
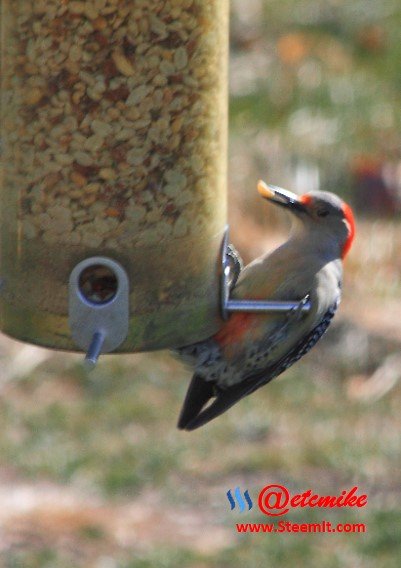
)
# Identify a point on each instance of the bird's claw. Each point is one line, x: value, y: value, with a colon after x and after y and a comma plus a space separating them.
x: 236, y: 265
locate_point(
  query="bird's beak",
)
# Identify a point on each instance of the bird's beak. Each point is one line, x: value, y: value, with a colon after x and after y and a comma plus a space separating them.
x: 281, y: 197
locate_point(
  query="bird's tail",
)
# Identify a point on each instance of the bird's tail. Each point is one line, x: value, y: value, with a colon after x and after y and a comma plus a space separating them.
x: 197, y: 412
x: 198, y: 394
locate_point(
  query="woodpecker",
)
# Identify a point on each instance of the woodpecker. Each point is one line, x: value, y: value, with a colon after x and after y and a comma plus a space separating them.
x: 251, y: 349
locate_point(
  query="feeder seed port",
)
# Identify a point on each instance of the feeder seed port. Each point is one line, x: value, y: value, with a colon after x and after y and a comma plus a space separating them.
x: 98, y: 306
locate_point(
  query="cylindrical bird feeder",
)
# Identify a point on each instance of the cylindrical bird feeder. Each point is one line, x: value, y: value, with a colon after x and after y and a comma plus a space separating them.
x: 113, y: 197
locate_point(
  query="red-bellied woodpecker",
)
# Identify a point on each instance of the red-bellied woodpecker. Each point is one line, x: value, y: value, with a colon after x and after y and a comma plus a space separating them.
x: 251, y: 349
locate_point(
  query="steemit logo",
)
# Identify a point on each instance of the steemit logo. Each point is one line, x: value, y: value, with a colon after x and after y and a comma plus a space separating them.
x: 239, y: 499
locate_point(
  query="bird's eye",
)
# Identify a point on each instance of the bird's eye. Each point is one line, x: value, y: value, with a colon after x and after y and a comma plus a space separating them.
x: 323, y: 213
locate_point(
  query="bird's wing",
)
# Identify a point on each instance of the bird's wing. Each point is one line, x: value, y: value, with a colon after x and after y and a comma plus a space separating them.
x: 194, y: 413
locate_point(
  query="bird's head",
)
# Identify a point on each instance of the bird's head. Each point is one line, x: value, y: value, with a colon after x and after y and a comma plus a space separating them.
x: 321, y: 212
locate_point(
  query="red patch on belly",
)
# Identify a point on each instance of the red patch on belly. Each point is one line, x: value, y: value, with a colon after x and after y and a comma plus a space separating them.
x: 235, y: 328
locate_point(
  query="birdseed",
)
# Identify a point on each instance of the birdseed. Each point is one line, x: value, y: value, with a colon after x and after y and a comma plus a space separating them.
x: 120, y: 107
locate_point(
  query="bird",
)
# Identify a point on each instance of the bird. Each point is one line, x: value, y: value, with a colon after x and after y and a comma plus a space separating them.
x: 251, y: 349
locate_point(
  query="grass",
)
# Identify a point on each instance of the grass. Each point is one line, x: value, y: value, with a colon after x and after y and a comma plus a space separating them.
x: 112, y: 435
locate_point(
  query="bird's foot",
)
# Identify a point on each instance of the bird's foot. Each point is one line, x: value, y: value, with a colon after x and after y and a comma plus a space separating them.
x: 236, y: 265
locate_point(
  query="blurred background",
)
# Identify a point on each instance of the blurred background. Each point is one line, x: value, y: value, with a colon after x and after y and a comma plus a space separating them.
x: 93, y: 472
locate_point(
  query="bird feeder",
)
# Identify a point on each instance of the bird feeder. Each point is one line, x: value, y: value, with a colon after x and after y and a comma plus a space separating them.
x: 113, y: 197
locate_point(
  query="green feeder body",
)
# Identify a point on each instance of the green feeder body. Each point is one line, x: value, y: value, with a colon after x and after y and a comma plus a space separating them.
x: 113, y: 128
